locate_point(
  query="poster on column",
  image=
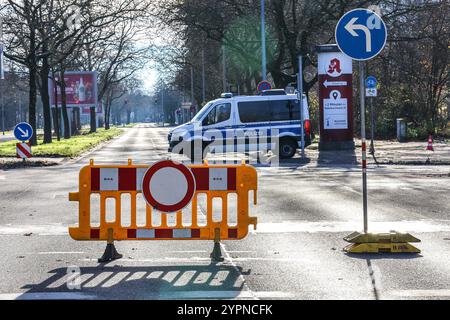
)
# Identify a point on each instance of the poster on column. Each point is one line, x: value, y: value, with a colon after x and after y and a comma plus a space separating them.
x: 335, y: 98
x: 335, y: 111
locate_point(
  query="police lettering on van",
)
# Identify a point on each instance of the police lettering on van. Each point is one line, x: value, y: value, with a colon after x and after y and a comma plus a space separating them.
x: 270, y: 121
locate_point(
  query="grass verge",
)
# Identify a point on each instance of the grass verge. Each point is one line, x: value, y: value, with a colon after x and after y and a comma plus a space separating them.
x: 72, y: 147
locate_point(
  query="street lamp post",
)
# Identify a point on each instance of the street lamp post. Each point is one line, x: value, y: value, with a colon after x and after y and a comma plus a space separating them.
x: 263, y: 40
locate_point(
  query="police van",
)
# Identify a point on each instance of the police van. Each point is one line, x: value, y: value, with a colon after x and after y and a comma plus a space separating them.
x: 245, y: 123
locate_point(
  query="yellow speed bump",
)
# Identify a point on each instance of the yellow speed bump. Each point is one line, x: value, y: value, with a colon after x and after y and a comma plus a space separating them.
x: 392, y: 242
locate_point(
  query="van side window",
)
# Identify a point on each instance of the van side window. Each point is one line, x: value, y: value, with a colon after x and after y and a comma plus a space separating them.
x: 254, y: 111
x: 218, y: 113
x: 285, y: 110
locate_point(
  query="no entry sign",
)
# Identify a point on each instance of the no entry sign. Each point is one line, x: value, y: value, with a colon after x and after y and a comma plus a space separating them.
x: 168, y: 186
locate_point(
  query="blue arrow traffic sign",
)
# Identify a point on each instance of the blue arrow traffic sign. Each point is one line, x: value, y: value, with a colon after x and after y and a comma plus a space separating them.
x: 23, y: 131
x: 361, y: 34
x: 371, y: 82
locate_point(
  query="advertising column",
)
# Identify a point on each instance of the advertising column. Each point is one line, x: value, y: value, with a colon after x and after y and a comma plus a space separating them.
x: 335, y: 99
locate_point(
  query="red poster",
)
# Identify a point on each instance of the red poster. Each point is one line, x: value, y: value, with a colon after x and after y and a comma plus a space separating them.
x: 81, y: 89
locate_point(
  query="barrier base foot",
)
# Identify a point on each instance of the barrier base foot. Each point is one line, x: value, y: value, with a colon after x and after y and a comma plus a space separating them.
x: 110, y: 253
x: 389, y: 242
x: 216, y: 254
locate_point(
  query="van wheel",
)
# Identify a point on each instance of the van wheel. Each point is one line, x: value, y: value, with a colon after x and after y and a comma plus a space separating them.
x: 288, y: 147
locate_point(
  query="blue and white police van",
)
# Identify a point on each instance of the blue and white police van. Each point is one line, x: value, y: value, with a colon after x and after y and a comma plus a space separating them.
x: 245, y: 123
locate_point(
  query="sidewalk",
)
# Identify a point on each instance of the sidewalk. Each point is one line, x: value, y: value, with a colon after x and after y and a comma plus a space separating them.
x: 386, y: 152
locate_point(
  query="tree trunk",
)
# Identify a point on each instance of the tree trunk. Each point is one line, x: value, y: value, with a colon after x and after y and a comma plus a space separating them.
x: 32, y: 104
x: 64, y: 105
x: 93, y: 122
x: 44, y: 72
x: 107, y: 112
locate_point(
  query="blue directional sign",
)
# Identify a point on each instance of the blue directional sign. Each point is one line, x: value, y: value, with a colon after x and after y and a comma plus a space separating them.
x: 361, y: 34
x: 23, y: 131
x: 371, y: 82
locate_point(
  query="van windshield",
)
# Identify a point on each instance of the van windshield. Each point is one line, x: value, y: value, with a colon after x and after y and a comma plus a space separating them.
x: 202, y: 112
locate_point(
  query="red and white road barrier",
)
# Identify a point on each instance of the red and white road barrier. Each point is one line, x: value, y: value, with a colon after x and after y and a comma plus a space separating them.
x: 130, y: 179
x: 23, y: 150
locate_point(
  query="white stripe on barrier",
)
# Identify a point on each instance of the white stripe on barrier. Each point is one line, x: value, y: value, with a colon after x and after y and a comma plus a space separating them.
x: 21, y: 154
x: 182, y: 233
x: 139, y: 176
x: 109, y: 179
x: 218, y: 179
x: 145, y: 233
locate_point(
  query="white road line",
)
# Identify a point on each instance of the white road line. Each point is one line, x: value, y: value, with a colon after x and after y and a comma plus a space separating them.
x: 241, y: 277
x: 421, y: 293
x: 295, y: 226
x: 423, y: 226
x: 57, y: 252
x: 47, y: 296
x: 225, y: 294
x: 46, y: 229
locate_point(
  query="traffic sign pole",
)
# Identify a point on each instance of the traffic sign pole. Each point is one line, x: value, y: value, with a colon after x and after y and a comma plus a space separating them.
x: 372, y: 128
x: 360, y: 40
x: 300, y: 101
x: 363, y: 142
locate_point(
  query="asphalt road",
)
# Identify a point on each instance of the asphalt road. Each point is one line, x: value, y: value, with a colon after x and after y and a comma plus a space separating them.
x: 303, y: 213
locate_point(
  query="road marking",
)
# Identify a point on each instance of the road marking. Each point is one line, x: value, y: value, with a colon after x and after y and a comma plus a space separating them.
x: 2, y: 177
x: 421, y: 293
x: 422, y: 226
x: 43, y: 230
x: 295, y: 226
x: 58, y: 252
x: 47, y: 296
x: 225, y: 294
x: 241, y: 277
x: 205, y: 294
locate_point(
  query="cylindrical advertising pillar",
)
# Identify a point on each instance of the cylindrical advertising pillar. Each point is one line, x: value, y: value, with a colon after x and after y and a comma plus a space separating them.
x: 335, y: 99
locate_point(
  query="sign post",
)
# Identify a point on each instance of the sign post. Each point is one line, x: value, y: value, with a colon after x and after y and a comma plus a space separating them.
x: 23, y: 131
x: 361, y: 34
x: 371, y: 91
x: 300, y: 101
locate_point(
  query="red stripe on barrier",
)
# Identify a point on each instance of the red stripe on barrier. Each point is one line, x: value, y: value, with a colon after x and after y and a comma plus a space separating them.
x: 195, y: 233
x: 131, y: 233
x: 201, y: 178
x: 232, y: 233
x: 163, y: 233
x: 127, y: 179
x: 364, y: 164
x: 363, y: 146
x: 95, y: 179
x: 21, y: 148
x: 231, y: 178
x: 95, y: 233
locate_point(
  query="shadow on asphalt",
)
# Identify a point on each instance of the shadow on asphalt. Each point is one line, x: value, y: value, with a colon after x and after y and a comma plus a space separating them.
x: 112, y: 281
x: 336, y: 159
x: 384, y: 256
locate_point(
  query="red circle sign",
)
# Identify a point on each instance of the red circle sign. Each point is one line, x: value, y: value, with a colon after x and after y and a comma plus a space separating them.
x: 168, y: 186
x: 264, y: 85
